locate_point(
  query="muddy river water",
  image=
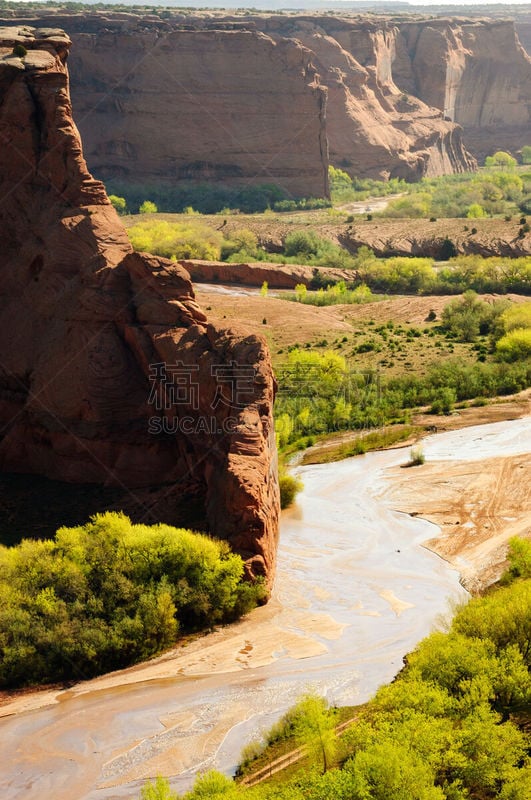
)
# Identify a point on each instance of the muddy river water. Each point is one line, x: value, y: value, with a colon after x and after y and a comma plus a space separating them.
x: 355, y: 590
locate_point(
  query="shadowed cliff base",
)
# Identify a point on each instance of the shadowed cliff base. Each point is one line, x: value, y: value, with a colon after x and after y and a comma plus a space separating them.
x: 33, y: 507
x: 105, y: 353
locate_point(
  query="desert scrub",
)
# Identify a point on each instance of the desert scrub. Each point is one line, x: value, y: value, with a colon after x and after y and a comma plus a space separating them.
x: 416, y: 457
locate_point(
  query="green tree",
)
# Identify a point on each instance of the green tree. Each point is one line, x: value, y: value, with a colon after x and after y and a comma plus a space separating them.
x: 159, y: 789
x: 148, y: 207
x: 119, y: 203
x: 211, y: 786
x: 501, y: 159
x: 315, y: 729
x: 519, y: 557
x: 526, y: 154
x: 476, y: 211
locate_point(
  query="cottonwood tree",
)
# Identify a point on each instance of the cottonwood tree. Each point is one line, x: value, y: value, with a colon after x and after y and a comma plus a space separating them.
x: 315, y: 729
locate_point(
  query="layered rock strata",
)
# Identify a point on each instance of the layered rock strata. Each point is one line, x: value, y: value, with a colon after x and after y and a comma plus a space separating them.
x: 254, y: 99
x: 110, y: 373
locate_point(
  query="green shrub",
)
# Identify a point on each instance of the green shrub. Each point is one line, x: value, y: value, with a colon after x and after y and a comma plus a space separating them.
x: 147, y: 207
x: 177, y: 240
x: 416, y: 457
x: 444, y: 400
x: 290, y: 486
x: 515, y: 346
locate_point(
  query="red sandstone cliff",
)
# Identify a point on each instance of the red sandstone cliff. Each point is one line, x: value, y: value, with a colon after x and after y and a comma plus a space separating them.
x: 478, y: 73
x: 202, y: 105
x: 83, y: 320
x: 260, y: 98
x: 262, y: 104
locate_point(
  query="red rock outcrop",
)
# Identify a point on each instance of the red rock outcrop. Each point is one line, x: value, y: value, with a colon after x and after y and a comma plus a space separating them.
x: 277, y: 276
x: 110, y: 373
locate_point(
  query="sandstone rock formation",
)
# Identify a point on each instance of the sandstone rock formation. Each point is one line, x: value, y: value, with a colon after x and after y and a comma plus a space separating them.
x: 263, y: 97
x: 374, y: 129
x: 110, y: 373
x: 254, y: 103
x: 254, y: 99
x: 478, y: 73
x: 277, y: 276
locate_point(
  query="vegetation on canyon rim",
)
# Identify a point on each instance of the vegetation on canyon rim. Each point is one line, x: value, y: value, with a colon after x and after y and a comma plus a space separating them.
x: 453, y: 725
x: 107, y: 594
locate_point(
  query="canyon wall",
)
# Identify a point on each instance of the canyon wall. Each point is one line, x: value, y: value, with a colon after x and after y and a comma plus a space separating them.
x: 479, y: 74
x: 181, y: 96
x: 253, y: 99
x: 261, y: 100
x: 203, y: 105
x: 110, y: 373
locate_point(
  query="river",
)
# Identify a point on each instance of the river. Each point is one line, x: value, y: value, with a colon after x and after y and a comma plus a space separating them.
x: 355, y: 591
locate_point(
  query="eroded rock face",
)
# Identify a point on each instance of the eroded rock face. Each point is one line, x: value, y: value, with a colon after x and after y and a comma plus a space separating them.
x: 478, y: 73
x: 277, y: 276
x: 262, y: 104
x: 374, y: 128
x: 259, y: 99
x: 232, y: 106
x: 110, y: 372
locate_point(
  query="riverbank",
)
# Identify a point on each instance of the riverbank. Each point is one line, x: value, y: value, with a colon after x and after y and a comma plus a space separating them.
x: 478, y: 503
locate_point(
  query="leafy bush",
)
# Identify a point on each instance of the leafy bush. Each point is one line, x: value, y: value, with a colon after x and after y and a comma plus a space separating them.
x: 148, y: 207
x: 177, y: 240
x: 106, y: 594
x: 334, y: 294
x: 290, y: 486
x: 468, y: 317
x: 242, y: 246
x: 118, y: 203
x: 515, y: 346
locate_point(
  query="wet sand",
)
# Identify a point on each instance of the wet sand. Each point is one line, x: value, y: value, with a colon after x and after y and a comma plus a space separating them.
x: 355, y: 591
x: 479, y: 503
